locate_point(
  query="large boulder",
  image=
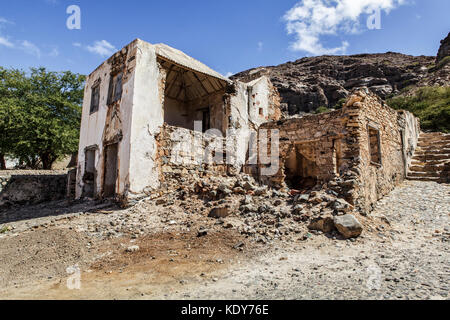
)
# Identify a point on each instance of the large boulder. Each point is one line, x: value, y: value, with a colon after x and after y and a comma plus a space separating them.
x: 348, y: 226
x: 324, y: 224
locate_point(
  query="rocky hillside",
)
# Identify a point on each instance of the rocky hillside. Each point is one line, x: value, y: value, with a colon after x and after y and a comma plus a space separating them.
x: 310, y: 83
x: 444, y: 50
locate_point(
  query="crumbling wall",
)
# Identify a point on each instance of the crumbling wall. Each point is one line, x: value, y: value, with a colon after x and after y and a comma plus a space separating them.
x: 31, y: 187
x: 264, y: 101
x: 376, y: 179
x: 340, y: 148
x: 323, y: 139
x: 147, y: 119
x: 110, y: 124
x: 183, y: 152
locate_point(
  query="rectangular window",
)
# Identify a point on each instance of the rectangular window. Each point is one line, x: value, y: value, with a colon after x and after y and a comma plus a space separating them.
x: 95, y: 98
x: 374, y: 145
x: 261, y: 112
x: 206, y: 118
x: 115, y: 88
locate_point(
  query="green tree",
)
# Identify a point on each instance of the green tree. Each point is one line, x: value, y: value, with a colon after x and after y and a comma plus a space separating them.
x: 13, y: 86
x: 44, y: 111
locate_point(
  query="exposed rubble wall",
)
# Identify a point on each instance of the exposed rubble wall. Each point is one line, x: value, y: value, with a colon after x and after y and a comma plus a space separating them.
x: 376, y: 178
x: 362, y: 150
x: 315, y: 138
x: 183, y: 152
x: 22, y: 187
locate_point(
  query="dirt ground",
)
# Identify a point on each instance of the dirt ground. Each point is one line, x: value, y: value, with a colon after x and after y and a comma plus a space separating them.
x: 402, y: 254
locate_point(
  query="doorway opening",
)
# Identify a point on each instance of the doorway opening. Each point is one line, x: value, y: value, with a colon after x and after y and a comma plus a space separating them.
x: 301, y: 170
x: 89, y: 173
x: 111, y: 170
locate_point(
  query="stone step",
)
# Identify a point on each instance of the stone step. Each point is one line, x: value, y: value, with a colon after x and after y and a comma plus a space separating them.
x: 434, y: 149
x: 431, y: 157
x: 427, y: 168
x: 433, y: 179
x: 429, y: 163
x: 424, y: 174
x: 430, y: 140
x: 434, y: 134
x: 427, y: 144
x: 441, y: 156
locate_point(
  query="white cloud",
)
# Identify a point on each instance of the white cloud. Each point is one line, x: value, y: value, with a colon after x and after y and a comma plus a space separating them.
x: 5, y: 42
x: 102, y: 48
x: 5, y: 21
x: 229, y: 74
x: 30, y: 48
x: 24, y: 45
x: 76, y: 44
x: 260, y: 46
x: 309, y: 20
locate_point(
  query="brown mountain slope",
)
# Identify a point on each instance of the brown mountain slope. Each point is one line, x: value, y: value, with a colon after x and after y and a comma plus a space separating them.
x: 310, y: 83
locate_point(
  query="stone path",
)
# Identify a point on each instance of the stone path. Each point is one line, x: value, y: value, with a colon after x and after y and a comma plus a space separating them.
x: 410, y: 261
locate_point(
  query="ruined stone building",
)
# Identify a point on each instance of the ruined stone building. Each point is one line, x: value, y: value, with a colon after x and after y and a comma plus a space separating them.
x: 140, y: 96
x: 362, y: 150
x: 142, y: 103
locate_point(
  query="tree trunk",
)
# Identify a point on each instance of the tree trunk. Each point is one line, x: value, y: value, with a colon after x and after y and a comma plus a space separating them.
x: 2, y: 162
x: 47, y: 161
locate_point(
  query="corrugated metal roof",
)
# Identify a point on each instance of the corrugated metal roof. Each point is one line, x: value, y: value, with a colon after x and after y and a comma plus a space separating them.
x: 182, y: 59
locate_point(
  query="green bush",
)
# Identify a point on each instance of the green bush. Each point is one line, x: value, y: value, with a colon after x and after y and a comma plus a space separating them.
x: 340, y: 103
x: 430, y: 104
x: 322, y: 109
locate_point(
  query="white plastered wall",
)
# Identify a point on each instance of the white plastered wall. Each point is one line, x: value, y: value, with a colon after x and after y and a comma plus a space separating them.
x: 93, y: 128
x: 259, y: 99
x: 147, y: 119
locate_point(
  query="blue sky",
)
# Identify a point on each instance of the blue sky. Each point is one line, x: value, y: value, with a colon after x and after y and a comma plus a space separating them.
x: 229, y: 36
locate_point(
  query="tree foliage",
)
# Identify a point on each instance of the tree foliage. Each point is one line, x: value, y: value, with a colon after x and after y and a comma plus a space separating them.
x: 430, y: 104
x: 40, y: 114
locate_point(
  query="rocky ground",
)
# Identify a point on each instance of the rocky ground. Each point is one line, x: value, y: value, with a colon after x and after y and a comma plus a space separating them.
x: 168, y: 247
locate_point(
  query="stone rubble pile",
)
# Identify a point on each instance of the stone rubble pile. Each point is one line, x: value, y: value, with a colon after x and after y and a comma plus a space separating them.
x: 239, y: 201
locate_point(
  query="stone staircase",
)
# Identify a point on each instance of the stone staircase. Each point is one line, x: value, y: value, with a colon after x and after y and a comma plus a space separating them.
x: 431, y: 161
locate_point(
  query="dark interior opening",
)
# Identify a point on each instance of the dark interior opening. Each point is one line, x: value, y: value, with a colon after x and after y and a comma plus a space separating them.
x: 300, y: 169
x: 191, y: 96
x: 89, y: 174
x: 110, y: 178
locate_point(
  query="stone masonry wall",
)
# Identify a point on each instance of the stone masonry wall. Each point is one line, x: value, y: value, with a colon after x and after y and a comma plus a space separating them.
x: 375, y: 180
x: 324, y: 140
x: 336, y: 144
x: 25, y: 187
x: 176, y: 156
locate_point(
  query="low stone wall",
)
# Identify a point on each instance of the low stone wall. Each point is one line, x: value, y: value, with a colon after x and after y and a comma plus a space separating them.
x: 31, y: 187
